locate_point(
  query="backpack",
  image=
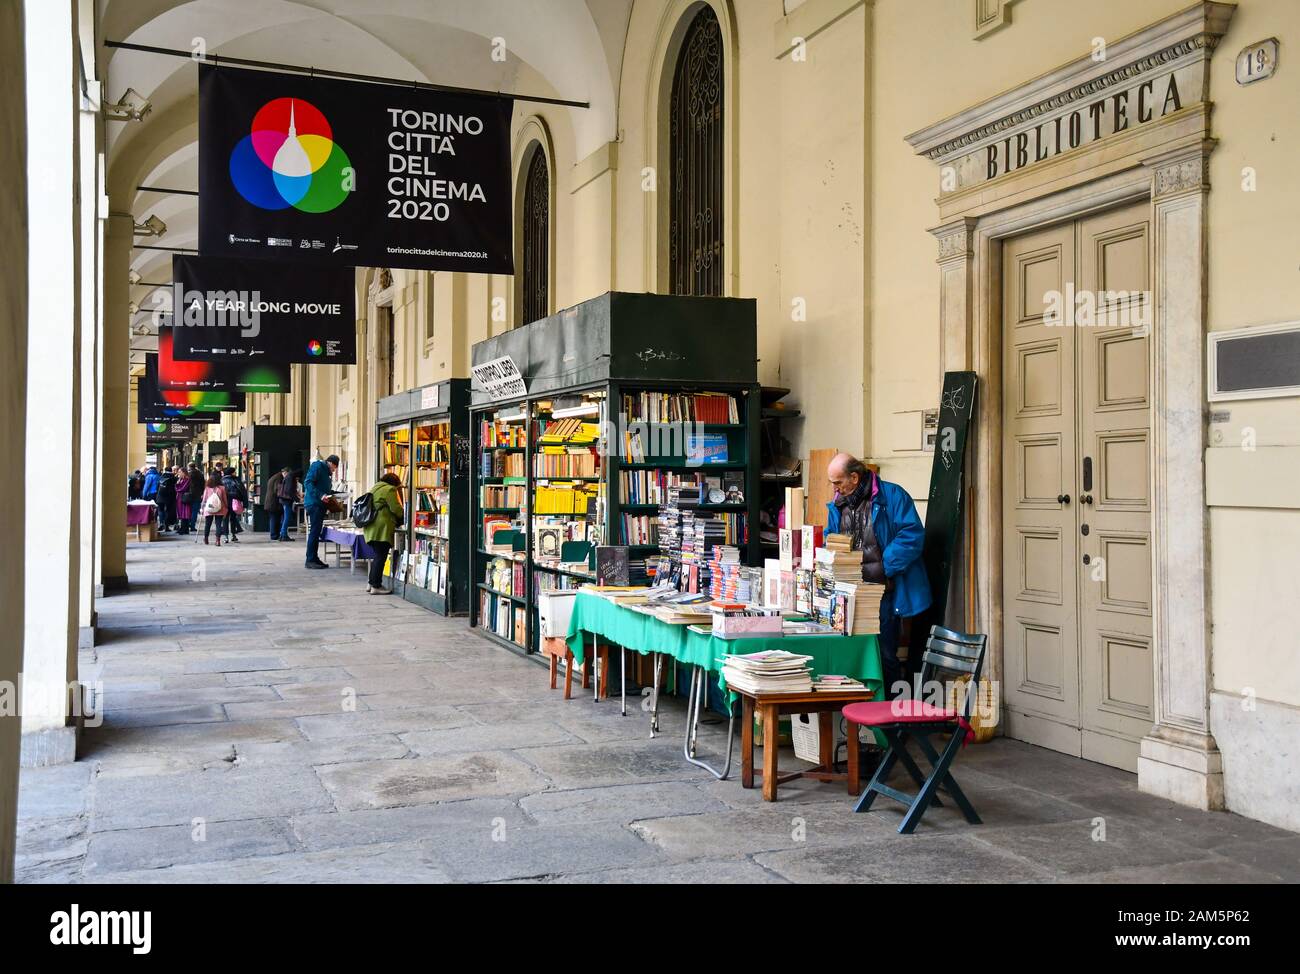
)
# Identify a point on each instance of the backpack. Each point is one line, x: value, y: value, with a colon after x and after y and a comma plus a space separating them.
x: 363, y: 510
x: 212, y: 506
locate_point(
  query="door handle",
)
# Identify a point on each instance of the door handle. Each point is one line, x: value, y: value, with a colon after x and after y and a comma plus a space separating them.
x: 1062, y: 498
x: 1085, y: 498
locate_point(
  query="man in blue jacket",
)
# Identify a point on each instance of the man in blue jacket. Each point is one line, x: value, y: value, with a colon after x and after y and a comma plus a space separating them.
x: 316, y: 484
x: 881, y: 518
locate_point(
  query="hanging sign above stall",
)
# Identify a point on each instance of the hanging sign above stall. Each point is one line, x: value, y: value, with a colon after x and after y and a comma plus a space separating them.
x: 499, y: 379
x: 226, y: 309
x: 159, y: 405
x: 348, y: 173
x: 261, y: 374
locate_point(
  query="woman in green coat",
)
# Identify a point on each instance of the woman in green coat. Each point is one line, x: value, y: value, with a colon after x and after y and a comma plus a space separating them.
x: 379, y: 532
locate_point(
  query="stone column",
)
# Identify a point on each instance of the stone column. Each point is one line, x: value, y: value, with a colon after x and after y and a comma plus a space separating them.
x: 113, y: 406
x: 13, y: 406
x: 52, y: 456
x: 956, y: 293
x: 88, y: 283
x: 959, y: 351
x: 1179, y: 760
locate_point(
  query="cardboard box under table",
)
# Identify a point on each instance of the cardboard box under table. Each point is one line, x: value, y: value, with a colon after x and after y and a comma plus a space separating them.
x: 641, y: 632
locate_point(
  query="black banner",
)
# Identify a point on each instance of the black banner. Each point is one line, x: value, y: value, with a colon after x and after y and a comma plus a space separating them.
x: 349, y: 173
x: 151, y: 407
x: 261, y: 374
x: 255, y: 311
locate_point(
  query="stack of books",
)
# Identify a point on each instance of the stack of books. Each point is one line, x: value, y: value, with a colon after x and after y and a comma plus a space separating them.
x: 855, y: 608
x: 836, y: 563
x: 772, y: 671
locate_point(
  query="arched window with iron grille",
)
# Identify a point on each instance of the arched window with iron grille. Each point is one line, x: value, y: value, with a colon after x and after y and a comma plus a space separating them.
x: 695, y: 140
x: 536, y: 282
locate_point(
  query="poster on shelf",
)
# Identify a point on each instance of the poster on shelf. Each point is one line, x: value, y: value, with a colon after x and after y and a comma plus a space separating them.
x: 227, y: 309
x: 325, y: 171
x: 243, y: 376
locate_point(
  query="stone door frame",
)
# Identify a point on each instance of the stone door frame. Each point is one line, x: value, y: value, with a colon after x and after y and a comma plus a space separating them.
x: 1166, y: 163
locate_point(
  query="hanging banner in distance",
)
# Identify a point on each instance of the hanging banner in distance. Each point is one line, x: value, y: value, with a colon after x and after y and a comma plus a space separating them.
x: 243, y: 375
x: 170, y: 432
x: 350, y: 173
x: 175, y: 399
x: 150, y: 407
x: 254, y: 311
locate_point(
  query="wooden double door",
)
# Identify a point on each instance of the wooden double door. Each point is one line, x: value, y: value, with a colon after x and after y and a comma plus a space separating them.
x: 1078, y: 670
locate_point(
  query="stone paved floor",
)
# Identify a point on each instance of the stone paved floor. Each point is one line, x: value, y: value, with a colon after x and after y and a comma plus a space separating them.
x: 225, y: 755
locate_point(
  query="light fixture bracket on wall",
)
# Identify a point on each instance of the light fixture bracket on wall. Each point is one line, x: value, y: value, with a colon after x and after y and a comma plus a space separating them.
x: 131, y: 107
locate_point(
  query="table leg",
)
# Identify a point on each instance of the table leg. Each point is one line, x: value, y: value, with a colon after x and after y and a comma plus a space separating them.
x: 654, y: 697
x: 569, y: 664
x: 622, y: 678
x: 826, y: 740
x: 747, y: 742
x: 855, y: 773
x: 555, y: 667
x: 694, y: 700
x: 603, y: 675
x: 770, y: 725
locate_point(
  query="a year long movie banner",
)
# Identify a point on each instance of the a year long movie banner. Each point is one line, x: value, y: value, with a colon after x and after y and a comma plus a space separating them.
x: 225, y: 309
x: 348, y: 173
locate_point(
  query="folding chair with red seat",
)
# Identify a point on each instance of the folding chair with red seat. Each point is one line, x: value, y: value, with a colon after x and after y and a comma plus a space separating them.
x: 898, y: 720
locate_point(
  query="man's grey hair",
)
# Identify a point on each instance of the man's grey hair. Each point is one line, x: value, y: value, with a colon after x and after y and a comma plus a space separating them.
x: 856, y: 466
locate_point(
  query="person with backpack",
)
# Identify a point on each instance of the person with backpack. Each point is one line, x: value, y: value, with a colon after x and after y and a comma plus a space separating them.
x: 149, y: 490
x: 166, y: 499
x: 237, y: 494
x: 216, y: 507
x: 379, y: 514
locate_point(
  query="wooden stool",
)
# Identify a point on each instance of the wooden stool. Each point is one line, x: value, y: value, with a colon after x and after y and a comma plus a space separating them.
x: 558, y: 649
x: 772, y: 706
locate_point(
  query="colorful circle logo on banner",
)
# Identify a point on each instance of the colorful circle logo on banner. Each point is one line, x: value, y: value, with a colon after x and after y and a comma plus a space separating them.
x: 157, y: 427
x: 314, y: 347
x: 291, y: 159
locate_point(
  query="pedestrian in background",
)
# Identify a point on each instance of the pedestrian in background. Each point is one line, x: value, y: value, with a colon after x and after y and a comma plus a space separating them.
x: 216, y: 507
x: 237, y: 496
x: 316, y: 486
x: 290, y: 494
x: 166, y: 499
x: 182, y: 501
x: 197, y: 483
x: 271, y: 503
x: 380, y: 532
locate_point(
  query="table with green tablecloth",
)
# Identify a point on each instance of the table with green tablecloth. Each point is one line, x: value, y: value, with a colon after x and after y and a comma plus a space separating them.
x: 853, y: 656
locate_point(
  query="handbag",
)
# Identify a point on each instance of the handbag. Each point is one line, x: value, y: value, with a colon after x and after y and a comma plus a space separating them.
x: 237, y: 506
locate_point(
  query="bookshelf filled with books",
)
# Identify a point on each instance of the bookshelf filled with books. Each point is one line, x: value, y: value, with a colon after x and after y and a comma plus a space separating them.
x: 620, y: 399
x: 424, y: 439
